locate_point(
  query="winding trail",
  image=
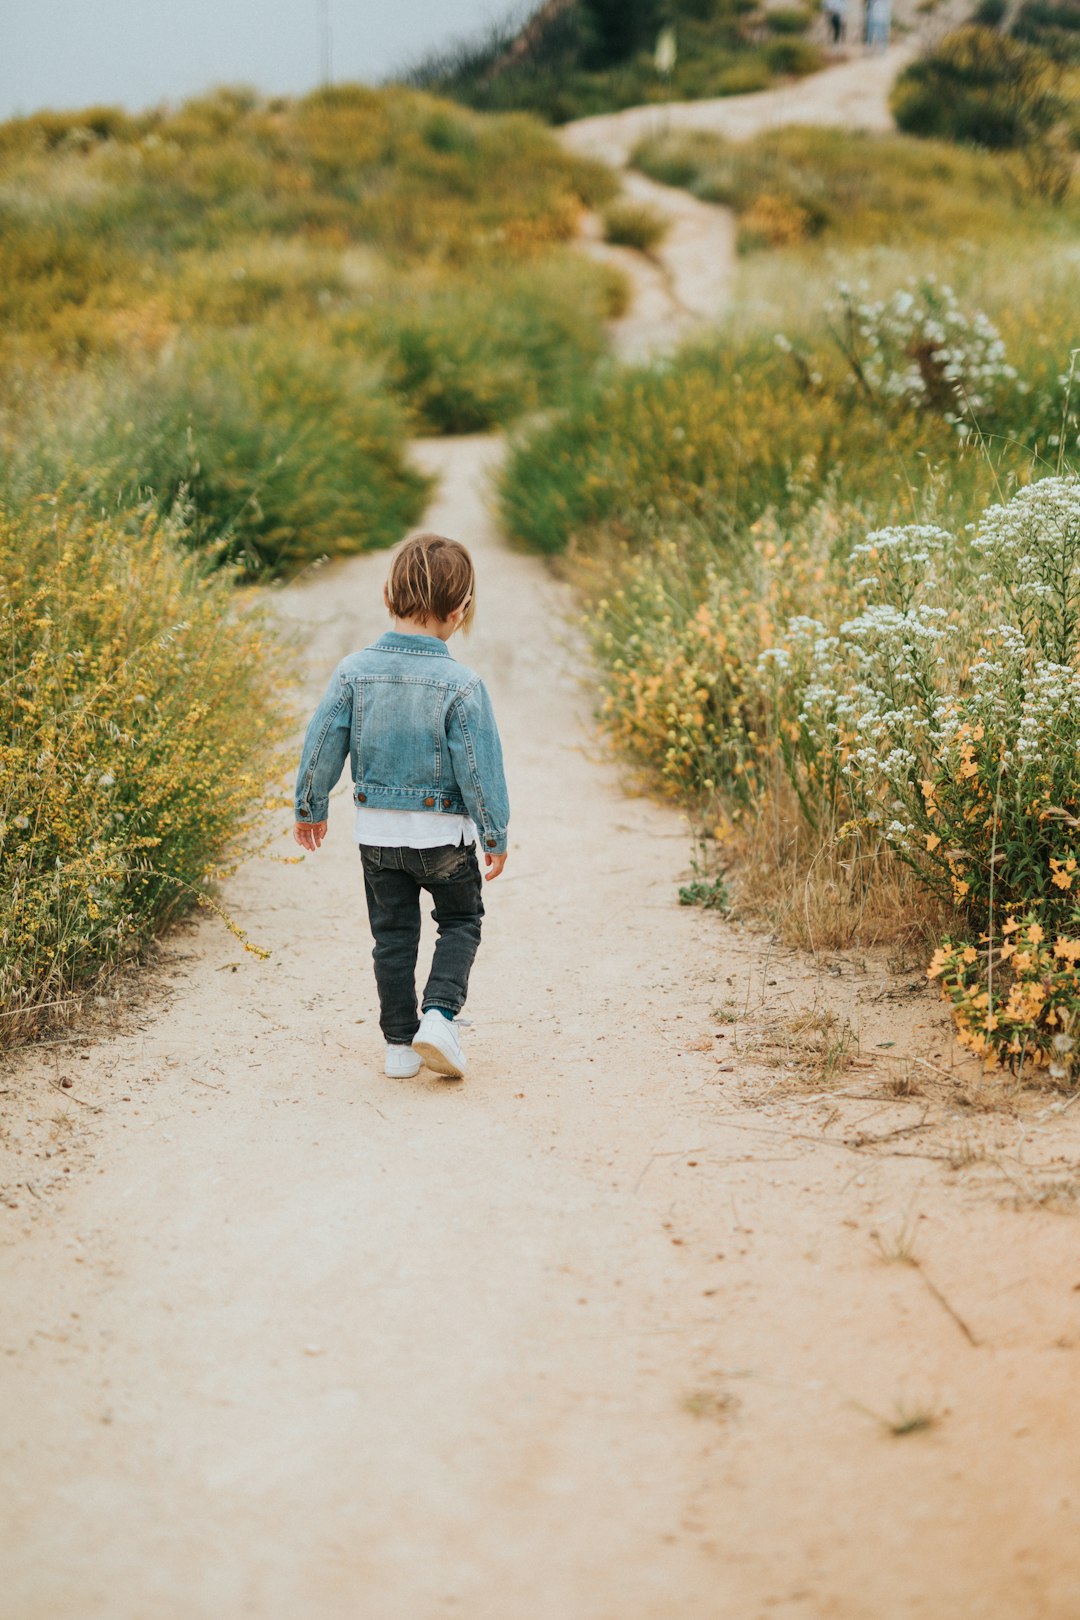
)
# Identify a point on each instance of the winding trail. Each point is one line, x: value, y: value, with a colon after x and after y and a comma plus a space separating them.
x: 592, y: 1336
x: 688, y: 282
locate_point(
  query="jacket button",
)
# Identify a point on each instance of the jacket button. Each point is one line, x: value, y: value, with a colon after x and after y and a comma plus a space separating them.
x: 429, y: 803
x: 361, y: 798
x: 491, y: 842
x: 446, y: 804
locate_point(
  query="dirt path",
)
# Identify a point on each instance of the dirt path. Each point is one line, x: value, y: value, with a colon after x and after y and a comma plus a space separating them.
x: 851, y: 95
x: 597, y: 1335
x: 689, y: 281
x: 579, y: 1340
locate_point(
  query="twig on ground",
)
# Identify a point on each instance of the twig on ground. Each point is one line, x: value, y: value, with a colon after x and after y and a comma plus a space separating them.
x: 944, y: 1303
x: 70, y: 1096
x: 665, y: 1153
x: 1057, y: 1109
x: 867, y: 1139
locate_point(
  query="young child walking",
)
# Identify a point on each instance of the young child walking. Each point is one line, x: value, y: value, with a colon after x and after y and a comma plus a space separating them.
x: 420, y: 734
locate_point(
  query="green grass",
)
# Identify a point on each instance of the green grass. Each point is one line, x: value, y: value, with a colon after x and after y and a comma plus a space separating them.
x: 634, y: 225
x: 792, y: 186
x: 278, y: 453
x: 729, y: 429
x: 266, y: 298
x: 467, y: 353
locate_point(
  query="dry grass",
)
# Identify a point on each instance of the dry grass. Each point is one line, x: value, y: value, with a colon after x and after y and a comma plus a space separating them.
x: 808, y: 1049
x: 820, y: 895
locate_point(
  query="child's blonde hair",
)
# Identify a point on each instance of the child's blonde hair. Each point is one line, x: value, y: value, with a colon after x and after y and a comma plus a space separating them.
x: 429, y: 577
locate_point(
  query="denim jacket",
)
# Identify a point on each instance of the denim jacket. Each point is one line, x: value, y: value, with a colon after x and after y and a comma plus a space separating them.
x: 420, y: 734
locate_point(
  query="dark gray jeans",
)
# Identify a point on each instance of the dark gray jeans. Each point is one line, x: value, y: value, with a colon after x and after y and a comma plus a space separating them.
x: 393, y: 879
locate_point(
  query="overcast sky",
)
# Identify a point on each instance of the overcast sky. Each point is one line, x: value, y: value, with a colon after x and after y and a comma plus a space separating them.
x: 74, y: 53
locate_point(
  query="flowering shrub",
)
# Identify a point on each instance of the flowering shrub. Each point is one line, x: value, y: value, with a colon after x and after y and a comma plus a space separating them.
x: 140, y: 713
x: 908, y: 701
x: 726, y: 423
x: 728, y: 428
x: 1036, y: 1016
x: 681, y: 639
x: 959, y: 726
x: 919, y: 349
x: 957, y: 733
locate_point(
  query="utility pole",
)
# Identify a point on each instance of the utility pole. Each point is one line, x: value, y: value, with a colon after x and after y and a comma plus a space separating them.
x: 326, y: 43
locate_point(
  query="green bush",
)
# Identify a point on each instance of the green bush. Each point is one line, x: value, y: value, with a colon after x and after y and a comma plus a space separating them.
x: 283, y: 454
x: 634, y: 225
x: 989, y: 13
x: 140, y: 719
x: 978, y: 87
x: 793, y: 56
x: 1054, y: 28
x: 470, y: 353
x: 598, y: 55
x: 788, y: 20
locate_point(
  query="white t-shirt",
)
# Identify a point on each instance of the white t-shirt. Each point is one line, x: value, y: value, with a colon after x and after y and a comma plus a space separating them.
x: 412, y: 829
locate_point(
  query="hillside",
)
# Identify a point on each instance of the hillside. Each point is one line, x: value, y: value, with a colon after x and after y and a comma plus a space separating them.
x: 576, y: 57
x: 217, y: 297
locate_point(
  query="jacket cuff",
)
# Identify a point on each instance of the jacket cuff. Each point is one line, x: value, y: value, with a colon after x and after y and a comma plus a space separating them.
x: 312, y: 812
x: 493, y: 842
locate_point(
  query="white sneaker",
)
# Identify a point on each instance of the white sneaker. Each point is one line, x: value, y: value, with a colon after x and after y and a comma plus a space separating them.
x: 401, y: 1062
x: 437, y: 1043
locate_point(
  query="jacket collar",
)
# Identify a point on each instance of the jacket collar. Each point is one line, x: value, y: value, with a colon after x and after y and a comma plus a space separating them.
x: 391, y: 641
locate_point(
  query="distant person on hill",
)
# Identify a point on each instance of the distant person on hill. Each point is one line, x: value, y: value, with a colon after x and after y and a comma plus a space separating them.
x: 420, y: 733
x: 836, y: 19
x: 878, y: 24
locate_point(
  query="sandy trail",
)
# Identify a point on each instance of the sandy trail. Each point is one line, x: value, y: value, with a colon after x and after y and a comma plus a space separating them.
x: 577, y: 1340
x: 593, y: 1336
x: 688, y: 282
x: 851, y: 95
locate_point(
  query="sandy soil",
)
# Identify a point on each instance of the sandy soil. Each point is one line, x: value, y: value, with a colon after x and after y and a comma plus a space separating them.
x: 850, y: 95
x: 603, y: 1333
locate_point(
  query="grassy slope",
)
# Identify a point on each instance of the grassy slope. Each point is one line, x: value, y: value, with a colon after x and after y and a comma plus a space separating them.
x: 259, y: 301
x: 724, y: 427
x: 574, y: 67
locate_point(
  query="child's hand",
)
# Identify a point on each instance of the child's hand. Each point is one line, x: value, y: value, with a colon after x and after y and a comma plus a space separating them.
x: 309, y: 834
x: 494, y: 864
